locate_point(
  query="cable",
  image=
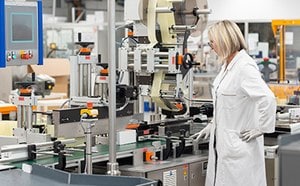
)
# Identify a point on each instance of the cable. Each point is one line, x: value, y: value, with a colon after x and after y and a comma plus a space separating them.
x: 199, y: 100
x: 45, y: 130
x: 121, y: 76
x: 125, y: 105
x: 68, y: 100
x: 185, y: 38
x: 128, y: 25
x: 81, y: 118
x: 132, y: 39
x: 53, y: 50
x: 49, y: 53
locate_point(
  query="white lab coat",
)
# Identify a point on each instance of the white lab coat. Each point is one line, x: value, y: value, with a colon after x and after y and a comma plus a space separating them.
x: 242, y: 101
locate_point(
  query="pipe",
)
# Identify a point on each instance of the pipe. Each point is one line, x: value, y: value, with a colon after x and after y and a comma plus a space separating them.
x: 112, y: 165
x: 23, y: 124
x: 145, y: 65
x: 190, y: 89
x: 44, y: 144
x: 202, y: 46
x: 203, y: 11
x: 80, y: 79
x: 19, y: 116
x: 53, y: 8
x: 73, y: 14
x: 165, y: 10
x: 89, y: 80
x: 88, y: 148
x: 159, y: 54
x: 282, y: 55
x: 52, y: 153
x: 182, y: 27
x: 29, y: 117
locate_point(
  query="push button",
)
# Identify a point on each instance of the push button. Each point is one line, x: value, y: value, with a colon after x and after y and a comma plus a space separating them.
x: 30, y: 54
x: 13, y: 55
x: 24, y: 55
x: 8, y: 57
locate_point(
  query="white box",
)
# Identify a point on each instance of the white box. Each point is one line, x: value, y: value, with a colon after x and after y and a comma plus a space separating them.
x: 294, y: 113
x: 126, y: 137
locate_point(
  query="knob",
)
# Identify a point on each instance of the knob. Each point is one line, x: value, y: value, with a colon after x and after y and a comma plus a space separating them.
x: 8, y: 57
x: 13, y: 55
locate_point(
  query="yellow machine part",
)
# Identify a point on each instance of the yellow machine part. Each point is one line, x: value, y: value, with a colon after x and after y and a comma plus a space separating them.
x: 283, y: 22
x: 89, y: 112
x: 282, y: 92
x: 279, y: 28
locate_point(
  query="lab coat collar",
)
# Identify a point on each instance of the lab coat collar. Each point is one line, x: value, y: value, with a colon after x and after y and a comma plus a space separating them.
x: 236, y: 58
x: 224, y: 70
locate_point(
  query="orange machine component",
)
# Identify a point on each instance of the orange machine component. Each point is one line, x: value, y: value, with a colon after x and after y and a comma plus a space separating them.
x: 7, y: 108
x: 104, y: 71
x: 179, y: 106
x: 179, y: 59
x: 85, y: 50
x: 132, y: 126
x: 25, y: 91
x: 130, y: 33
x: 148, y: 155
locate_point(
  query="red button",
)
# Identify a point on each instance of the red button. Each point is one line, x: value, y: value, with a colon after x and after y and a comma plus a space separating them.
x: 9, y: 58
x: 89, y: 105
x: 25, y: 56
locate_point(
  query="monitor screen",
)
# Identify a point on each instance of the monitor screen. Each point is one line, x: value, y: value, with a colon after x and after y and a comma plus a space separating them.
x: 22, y: 27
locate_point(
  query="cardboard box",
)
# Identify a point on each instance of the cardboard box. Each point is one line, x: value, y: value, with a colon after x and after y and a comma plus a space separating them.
x: 59, y: 69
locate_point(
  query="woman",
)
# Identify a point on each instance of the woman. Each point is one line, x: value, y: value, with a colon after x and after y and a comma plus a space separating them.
x: 244, y: 109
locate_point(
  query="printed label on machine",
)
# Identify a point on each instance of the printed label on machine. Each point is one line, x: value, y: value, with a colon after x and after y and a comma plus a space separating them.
x: 170, y: 178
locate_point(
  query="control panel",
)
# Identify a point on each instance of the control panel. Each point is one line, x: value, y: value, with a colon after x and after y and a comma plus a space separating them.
x: 21, y: 33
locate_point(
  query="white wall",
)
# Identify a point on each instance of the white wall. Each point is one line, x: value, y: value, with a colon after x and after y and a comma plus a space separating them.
x: 254, y: 9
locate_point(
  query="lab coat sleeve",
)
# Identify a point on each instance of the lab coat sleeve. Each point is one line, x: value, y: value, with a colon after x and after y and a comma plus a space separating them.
x: 254, y: 86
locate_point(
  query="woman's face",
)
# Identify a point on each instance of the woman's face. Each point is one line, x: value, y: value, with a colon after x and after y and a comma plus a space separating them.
x: 213, y: 46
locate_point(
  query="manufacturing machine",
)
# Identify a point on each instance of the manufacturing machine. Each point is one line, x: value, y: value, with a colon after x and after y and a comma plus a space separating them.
x: 155, y: 76
x: 154, y: 89
x: 42, y: 83
x: 26, y: 98
x: 154, y: 67
x: 154, y: 57
x: 21, y: 43
x: 89, y: 83
x: 21, y: 31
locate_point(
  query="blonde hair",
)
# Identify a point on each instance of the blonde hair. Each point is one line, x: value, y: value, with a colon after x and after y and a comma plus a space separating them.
x: 227, y: 36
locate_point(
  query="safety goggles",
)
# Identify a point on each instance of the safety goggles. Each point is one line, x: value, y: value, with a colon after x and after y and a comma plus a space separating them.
x: 210, y: 44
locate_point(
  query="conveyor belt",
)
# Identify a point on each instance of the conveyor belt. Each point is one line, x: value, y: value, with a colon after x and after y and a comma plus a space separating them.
x: 100, y: 155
